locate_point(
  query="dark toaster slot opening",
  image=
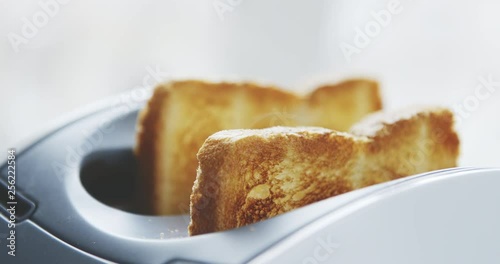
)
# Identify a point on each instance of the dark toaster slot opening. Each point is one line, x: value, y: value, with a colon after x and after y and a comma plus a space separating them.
x: 111, y: 176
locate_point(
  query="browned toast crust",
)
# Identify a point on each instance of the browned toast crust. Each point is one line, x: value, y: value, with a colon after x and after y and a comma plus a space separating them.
x: 181, y: 115
x: 246, y: 176
x: 147, y: 151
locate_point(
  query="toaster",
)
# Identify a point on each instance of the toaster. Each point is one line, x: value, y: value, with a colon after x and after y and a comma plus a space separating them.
x: 69, y: 197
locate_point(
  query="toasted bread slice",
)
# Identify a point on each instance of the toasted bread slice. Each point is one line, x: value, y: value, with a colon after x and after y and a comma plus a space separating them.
x: 181, y: 115
x: 246, y: 176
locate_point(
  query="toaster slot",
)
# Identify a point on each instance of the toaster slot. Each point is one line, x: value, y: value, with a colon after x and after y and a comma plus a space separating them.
x: 110, y: 176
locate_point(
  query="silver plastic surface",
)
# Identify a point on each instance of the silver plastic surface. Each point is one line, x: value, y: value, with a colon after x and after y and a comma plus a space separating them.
x: 439, y: 218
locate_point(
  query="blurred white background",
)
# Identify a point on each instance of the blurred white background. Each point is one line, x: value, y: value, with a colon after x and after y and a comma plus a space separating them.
x: 80, y: 51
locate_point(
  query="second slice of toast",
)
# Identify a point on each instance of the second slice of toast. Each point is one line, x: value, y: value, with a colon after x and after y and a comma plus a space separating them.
x: 181, y: 115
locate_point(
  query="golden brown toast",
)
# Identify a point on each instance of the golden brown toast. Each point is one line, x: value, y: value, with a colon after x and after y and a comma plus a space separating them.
x: 181, y: 115
x: 246, y: 176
